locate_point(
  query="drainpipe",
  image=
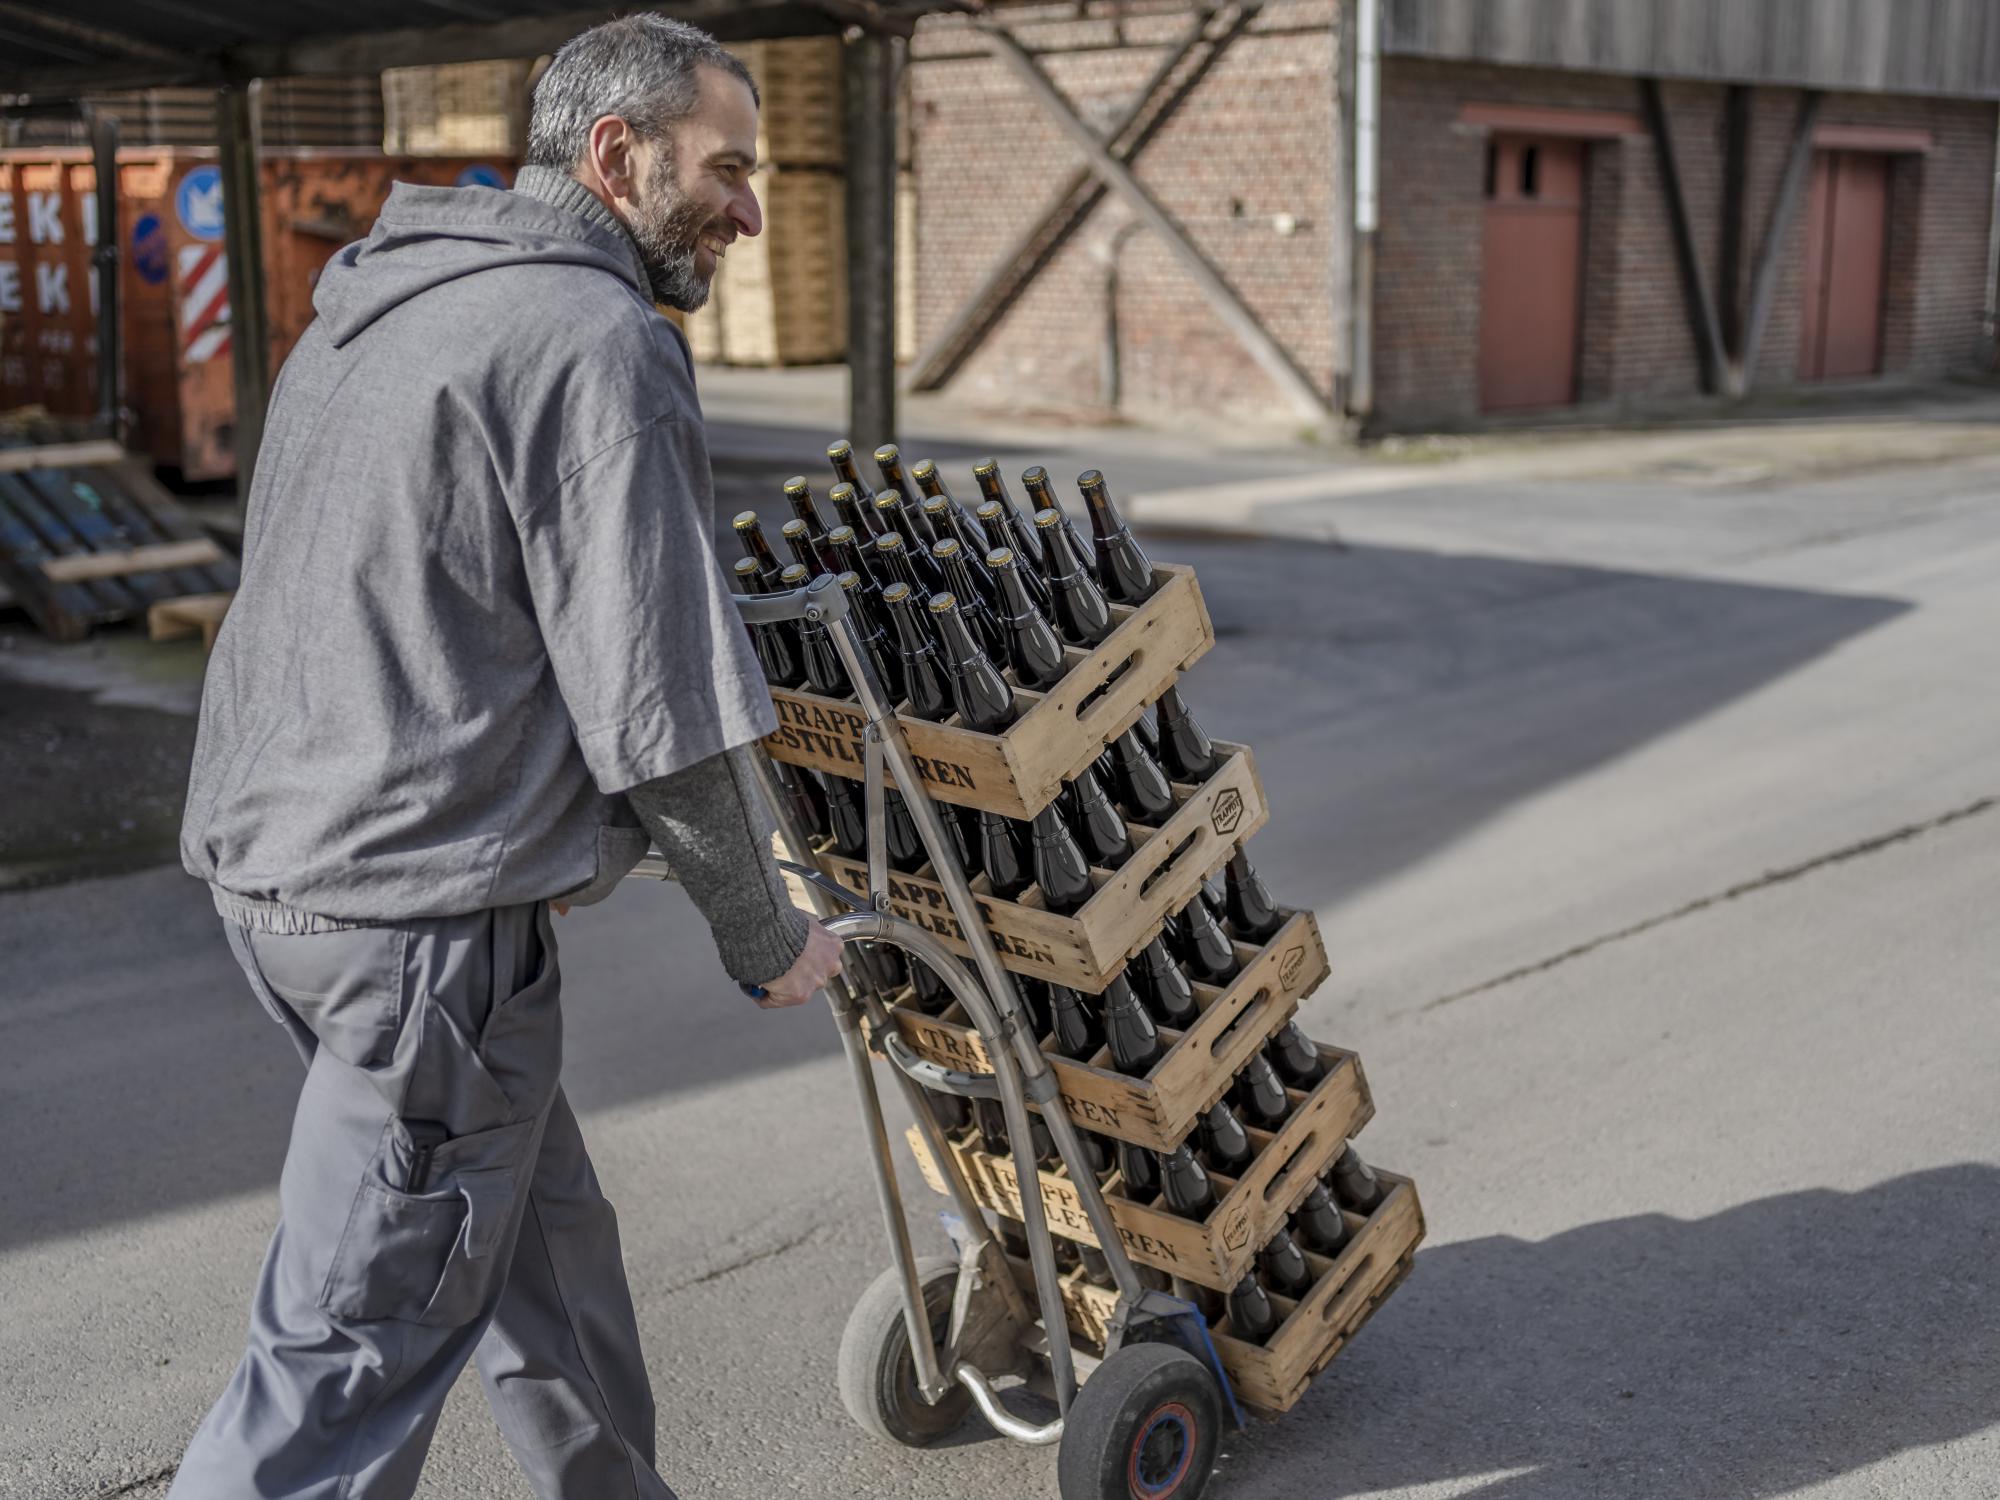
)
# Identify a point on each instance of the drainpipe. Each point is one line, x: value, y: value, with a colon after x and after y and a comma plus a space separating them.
x: 1367, y: 168
x: 1993, y: 256
x: 1110, y: 374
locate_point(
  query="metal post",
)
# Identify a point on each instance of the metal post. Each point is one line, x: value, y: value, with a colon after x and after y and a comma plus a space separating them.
x: 1367, y: 165
x: 104, y: 262
x: 870, y: 93
x: 243, y: 247
x: 1694, y: 280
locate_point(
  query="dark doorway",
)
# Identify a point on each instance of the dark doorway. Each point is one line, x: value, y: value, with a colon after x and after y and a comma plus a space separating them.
x: 1847, y: 222
x: 1530, y: 277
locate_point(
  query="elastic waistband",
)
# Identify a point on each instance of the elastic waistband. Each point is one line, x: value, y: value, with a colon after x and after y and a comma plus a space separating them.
x: 271, y: 916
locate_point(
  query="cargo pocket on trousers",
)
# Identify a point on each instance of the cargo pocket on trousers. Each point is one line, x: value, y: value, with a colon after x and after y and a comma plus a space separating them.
x: 432, y: 1257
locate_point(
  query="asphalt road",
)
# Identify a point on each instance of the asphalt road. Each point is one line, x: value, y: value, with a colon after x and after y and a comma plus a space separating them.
x: 1651, y: 829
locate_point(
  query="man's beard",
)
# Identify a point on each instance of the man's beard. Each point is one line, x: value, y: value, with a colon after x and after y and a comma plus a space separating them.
x: 667, y: 227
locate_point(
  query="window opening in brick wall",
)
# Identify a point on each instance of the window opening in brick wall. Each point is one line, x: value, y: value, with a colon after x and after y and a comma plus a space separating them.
x: 1531, y: 171
x: 1492, y: 167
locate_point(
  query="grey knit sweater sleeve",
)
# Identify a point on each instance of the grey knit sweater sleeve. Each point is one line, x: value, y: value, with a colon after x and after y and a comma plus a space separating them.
x: 707, y: 820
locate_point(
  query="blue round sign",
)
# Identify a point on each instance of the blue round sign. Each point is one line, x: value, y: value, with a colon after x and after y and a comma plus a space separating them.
x: 481, y: 175
x: 198, y: 203
x: 149, y: 249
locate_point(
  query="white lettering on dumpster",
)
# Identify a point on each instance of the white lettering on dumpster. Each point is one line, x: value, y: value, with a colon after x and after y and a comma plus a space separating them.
x: 10, y: 286
x: 52, y: 288
x: 45, y: 226
x: 6, y: 218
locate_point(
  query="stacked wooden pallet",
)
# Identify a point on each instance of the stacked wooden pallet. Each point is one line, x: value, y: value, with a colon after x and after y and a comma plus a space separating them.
x: 1243, y: 1022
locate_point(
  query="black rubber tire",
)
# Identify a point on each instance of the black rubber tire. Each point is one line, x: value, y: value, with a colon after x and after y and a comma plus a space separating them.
x: 1143, y: 1427
x: 877, y: 1372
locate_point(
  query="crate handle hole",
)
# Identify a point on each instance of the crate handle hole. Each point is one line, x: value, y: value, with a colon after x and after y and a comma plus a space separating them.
x: 1095, y: 696
x: 1252, y: 1019
x: 1355, y: 1276
x: 1278, y: 1183
x: 1166, y: 865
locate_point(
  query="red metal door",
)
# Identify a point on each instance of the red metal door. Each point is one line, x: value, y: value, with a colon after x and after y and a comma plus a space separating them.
x: 1847, y: 236
x: 1530, y: 277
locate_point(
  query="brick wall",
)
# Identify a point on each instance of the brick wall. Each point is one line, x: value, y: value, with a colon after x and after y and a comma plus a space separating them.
x: 1636, y: 341
x: 1253, y: 141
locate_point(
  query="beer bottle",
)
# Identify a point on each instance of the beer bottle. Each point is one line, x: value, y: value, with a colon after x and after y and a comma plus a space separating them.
x: 1032, y: 647
x: 1205, y: 949
x: 1096, y: 1152
x: 840, y: 453
x: 1295, y: 1057
x: 1096, y: 1269
x: 984, y: 701
x: 1184, y: 746
x: 804, y: 795
x: 1075, y: 1029
x: 933, y: 995
x: 1163, y: 987
x: 799, y: 495
x: 1224, y: 1141
x: 925, y: 685
x: 1355, y: 1183
x: 1106, y: 842
x: 854, y: 511
x: 846, y: 819
x: 1129, y: 1032
x: 1122, y: 566
x: 962, y: 828
x: 1041, y: 497
x: 985, y: 628
x: 1079, y: 609
x: 1061, y: 870
x: 894, y: 564
x: 1251, y: 1316
x: 1141, y: 787
x: 1035, y: 996
x: 1011, y: 1235
x: 889, y: 461
x: 938, y: 512
x: 1253, y: 916
x: 1000, y: 538
x: 992, y: 1122
x: 750, y: 532
x: 875, y: 642
x: 844, y: 547
x: 1141, y: 1171
x: 906, y: 846
x: 1284, y: 1266
x: 993, y: 490
x: 1319, y: 1223
x: 777, y: 644
x: 893, y: 514
x: 825, y: 674
x: 1260, y: 1093
x: 1044, y: 1144
x: 799, y: 542
x: 1004, y: 855
x: 932, y: 484
x: 1184, y: 1183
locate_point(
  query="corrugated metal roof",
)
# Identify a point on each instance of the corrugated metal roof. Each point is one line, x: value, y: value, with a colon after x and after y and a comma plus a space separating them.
x: 93, y: 44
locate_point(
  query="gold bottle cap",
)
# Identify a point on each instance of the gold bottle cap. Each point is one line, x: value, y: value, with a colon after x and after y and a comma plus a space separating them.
x: 1036, y: 475
x: 888, y: 498
x: 935, y: 504
x: 989, y: 509
x: 745, y: 519
x: 1047, y: 518
x: 1090, y: 479
x: 1000, y: 557
x: 946, y: 548
x: 793, y: 576
x: 838, y: 449
x: 891, y: 541
x: 793, y: 527
x: 850, y: 579
x: 797, y: 485
x: 942, y: 602
x: 895, y: 593
x: 840, y: 536
x: 986, y: 467
x: 746, y: 565
x: 888, y: 453
x: 922, y: 469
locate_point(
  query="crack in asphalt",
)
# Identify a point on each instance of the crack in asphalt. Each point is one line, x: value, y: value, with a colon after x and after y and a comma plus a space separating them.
x: 730, y: 1268
x: 132, y: 1486
x: 1765, y: 881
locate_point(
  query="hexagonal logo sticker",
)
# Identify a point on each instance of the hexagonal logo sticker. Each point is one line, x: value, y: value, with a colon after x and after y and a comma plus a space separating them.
x: 1227, y: 812
x: 1288, y: 966
x: 1236, y: 1233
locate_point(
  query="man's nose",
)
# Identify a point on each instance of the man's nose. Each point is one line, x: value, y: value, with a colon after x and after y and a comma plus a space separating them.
x: 745, y: 214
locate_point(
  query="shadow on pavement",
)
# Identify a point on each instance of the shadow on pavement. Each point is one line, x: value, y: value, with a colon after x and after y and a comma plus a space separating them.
x: 1766, y: 1348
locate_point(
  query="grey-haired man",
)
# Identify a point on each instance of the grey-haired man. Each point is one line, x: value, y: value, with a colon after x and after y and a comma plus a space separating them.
x: 482, y: 652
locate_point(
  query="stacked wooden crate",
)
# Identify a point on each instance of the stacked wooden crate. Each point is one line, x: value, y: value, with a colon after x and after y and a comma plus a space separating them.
x: 1017, y: 773
x: 456, y: 109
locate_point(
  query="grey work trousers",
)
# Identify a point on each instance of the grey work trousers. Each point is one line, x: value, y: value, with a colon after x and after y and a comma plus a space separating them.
x: 437, y: 1204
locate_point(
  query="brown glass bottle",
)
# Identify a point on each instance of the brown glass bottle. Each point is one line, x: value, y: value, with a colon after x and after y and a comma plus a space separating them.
x: 840, y: 454
x: 1128, y: 1031
x: 1141, y: 787
x: 945, y: 524
x: 1032, y: 647
x: 825, y: 674
x: 889, y: 463
x: 1284, y: 1267
x: 1251, y: 1316
x: 1184, y: 1183
x: 992, y: 1122
x: 1122, y: 565
x: 961, y: 828
x: 777, y: 644
x: 1105, y: 840
x: 1205, y: 948
x: 1317, y: 1221
x: 984, y: 701
x: 1005, y: 855
x: 1355, y: 1183
x: 799, y: 542
x: 1141, y: 1171
x: 1079, y: 609
x: 932, y: 484
x: 932, y: 995
x: 1060, y: 868
x: 1260, y: 1093
x: 1295, y: 1057
x: 805, y: 796
x: 1224, y: 1142
x: 846, y: 818
x: 1186, y: 752
x: 1000, y: 538
x: 875, y: 642
x: 1074, y: 1028
x: 953, y: 562
x: 925, y: 686
x: 906, y: 846
x: 1253, y: 916
x: 1163, y: 986
x: 799, y: 495
x: 750, y: 533
x: 993, y: 489
x: 1042, y: 496
x: 902, y: 565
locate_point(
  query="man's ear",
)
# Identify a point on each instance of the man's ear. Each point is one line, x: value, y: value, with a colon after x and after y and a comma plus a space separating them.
x: 611, y: 155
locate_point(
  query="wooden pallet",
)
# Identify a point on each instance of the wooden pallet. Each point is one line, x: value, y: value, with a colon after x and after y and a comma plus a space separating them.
x: 197, y: 614
x: 1218, y: 1250
x: 87, y: 536
x: 1019, y: 771
x: 1272, y: 1376
x: 1087, y: 950
x: 1160, y: 1109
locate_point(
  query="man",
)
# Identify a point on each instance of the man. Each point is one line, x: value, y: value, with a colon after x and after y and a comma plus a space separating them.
x: 482, y: 651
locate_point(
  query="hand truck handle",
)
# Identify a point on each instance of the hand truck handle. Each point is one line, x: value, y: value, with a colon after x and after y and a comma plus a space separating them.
x: 935, y: 1075
x: 822, y: 600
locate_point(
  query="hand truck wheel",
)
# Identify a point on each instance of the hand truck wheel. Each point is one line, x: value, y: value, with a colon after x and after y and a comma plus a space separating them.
x: 878, y: 1373
x: 1143, y: 1427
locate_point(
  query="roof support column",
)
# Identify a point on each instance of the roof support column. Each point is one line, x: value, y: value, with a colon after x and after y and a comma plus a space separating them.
x: 243, y: 248
x: 870, y: 62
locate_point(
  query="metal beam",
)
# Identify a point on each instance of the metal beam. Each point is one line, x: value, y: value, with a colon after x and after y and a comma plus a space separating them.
x: 869, y: 91
x: 1223, y: 298
x: 243, y: 248
x: 1073, y: 203
x: 1777, y: 234
x: 1735, y: 209
x: 93, y: 38
x: 1694, y: 281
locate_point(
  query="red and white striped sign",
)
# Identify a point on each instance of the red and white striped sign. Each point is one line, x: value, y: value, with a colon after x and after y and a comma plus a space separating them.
x: 204, y: 297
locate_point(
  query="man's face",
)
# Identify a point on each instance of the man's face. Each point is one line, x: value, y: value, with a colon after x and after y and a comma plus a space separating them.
x: 695, y: 198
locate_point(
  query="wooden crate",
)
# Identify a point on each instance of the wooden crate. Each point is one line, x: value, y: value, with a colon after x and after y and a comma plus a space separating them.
x: 799, y: 88
x: 450, y: 109
x: 781, y: 297
x: 1019, y: 771
x: 1218, y: 1250
x: 1272, y: 1376
x: 1086, y: 950
x: 1159, y: 1110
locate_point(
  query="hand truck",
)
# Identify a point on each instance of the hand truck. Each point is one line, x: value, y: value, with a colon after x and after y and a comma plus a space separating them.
x: 932, y: 1334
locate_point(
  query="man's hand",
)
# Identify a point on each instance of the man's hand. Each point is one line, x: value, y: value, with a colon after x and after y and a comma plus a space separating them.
x: 817, y: 962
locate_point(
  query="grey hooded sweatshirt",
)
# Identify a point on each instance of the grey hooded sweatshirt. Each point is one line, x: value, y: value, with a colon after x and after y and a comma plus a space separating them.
x: 480, y: 602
